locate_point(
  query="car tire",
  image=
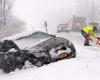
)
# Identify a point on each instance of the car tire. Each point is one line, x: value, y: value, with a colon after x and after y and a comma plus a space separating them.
x: 8, y: 69
x: 73, y: 55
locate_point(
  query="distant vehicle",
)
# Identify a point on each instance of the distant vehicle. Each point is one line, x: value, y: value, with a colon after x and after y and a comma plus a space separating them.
x: 63, y: 28
x: 38, y: 48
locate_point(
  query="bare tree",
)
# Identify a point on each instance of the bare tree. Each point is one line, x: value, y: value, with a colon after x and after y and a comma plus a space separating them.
x: 5, y: 7
x: 9, y: 24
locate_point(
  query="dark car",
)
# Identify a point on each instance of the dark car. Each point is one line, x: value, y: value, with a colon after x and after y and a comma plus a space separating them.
x: 38, y: 48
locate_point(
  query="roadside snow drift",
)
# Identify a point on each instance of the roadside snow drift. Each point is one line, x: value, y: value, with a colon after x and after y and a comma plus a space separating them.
x: 86, y: 66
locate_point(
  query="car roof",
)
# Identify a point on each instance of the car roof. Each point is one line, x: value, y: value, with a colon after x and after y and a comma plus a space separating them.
x: 20, y: 35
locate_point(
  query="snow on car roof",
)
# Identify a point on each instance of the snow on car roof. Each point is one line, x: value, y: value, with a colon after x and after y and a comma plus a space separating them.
x: 19, y: 35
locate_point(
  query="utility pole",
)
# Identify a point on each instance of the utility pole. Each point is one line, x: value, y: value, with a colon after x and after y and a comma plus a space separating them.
x: 4, y: 13
x: 92, y: 11
x: 46, y: 26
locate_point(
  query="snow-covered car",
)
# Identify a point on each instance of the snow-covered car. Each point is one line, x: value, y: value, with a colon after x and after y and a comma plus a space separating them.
x: 63, y: 28
x: 37, y: 47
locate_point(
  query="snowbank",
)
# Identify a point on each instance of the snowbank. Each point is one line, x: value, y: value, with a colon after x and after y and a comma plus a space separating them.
x: 86, y: 66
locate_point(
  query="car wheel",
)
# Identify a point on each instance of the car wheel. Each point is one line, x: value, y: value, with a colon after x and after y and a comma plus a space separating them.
x: 20, y: 66
x: 8, y: 69
x: 73, y: 55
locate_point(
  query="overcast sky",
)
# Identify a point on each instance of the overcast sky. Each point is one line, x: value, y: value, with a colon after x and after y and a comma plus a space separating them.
x: 35, y: 12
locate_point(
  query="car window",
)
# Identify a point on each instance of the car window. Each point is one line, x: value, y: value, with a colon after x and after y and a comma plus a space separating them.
x: 31, y: 40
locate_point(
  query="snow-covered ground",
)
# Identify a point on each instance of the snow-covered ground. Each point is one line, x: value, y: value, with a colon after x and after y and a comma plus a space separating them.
x: 86, y: 66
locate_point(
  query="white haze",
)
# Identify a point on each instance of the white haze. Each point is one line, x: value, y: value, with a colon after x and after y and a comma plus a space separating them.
x: 35, y: 12
x: 55, y: 12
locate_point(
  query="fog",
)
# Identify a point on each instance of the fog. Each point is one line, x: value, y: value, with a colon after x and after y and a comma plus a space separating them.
x: 36, y: 12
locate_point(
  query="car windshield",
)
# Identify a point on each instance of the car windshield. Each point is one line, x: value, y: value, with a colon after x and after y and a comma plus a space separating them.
x: 31, y: 40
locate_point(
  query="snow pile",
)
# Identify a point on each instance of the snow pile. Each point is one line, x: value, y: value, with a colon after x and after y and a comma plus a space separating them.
x: 86, y: 66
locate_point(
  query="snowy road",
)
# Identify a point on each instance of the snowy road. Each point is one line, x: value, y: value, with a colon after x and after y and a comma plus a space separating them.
x: 86, y: 66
